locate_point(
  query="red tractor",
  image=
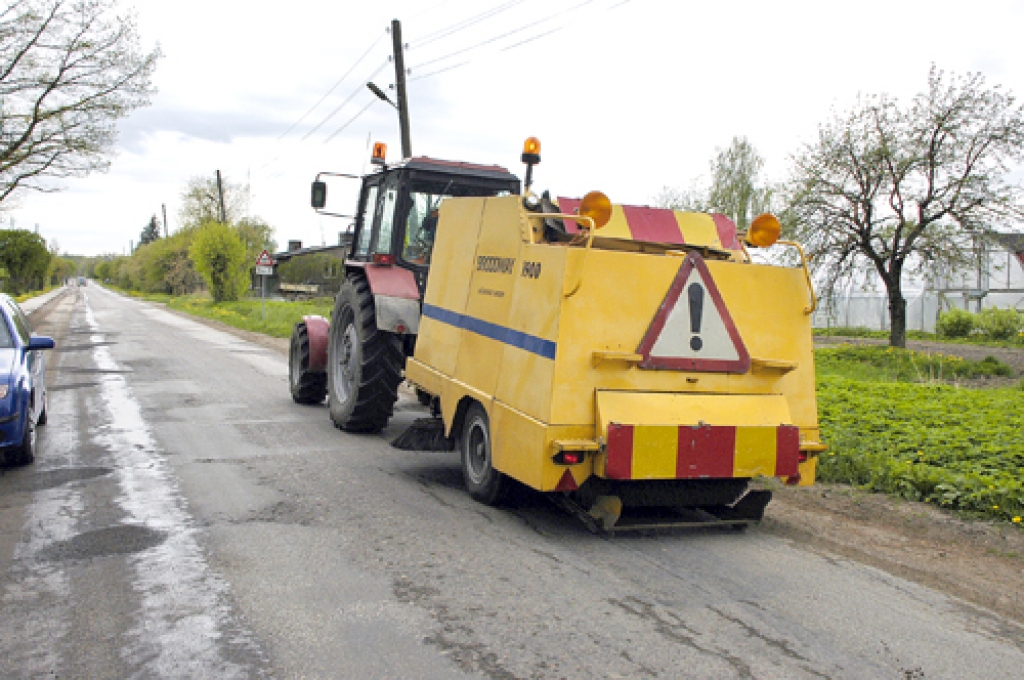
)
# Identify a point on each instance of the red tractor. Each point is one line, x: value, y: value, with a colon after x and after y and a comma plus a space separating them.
x: 359, y: 356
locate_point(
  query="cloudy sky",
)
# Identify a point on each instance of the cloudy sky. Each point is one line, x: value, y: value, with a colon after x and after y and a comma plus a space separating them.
x: 627, y: 96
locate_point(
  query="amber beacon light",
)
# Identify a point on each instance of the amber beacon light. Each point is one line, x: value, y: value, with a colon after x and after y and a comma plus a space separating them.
x: 764, y: 230
x: 597, y: 207
x: 380, y: 151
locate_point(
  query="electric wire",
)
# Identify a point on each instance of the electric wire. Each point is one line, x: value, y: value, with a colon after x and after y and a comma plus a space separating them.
x: 493, y: 40
x: 464, y: 24
x: 333, y: 87
x: 352, y: 120
x: 347, y: 99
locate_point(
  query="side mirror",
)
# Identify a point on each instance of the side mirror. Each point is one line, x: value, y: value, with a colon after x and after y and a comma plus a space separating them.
x: 41, y: 342
x: 319, y: 197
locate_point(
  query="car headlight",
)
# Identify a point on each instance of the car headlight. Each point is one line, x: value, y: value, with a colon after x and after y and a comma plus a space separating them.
x: 3, y: 391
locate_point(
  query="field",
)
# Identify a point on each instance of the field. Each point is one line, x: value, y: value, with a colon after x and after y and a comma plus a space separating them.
x: 897, y: 421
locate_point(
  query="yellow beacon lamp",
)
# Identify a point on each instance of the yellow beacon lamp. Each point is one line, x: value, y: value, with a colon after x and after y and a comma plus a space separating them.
x: 764, y: 231
x: 531, y: 156
x: 380, y: 151
x: 597, y: 207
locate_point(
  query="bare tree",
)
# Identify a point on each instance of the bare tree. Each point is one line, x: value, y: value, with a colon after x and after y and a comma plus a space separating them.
x: 200, y: 202
x: 903, y: 189
x: 69, y: 70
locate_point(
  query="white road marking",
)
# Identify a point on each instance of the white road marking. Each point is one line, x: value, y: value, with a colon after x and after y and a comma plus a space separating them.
x: 184, y: 617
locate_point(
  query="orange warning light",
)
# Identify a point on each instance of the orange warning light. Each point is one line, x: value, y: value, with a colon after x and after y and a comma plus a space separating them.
x: 596, y: 206
x: 764, y: 230
x: 531, y: 151
x: 380, y: 150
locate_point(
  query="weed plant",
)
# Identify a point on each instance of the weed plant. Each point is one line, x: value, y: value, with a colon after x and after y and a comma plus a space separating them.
x: 873, y: 363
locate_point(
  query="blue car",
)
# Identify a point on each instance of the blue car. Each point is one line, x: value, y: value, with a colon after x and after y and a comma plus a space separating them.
x: 22, y: 384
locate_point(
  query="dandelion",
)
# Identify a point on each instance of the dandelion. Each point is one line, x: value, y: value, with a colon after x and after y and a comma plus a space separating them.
x: 995, y: 507
x: 1016, y: 520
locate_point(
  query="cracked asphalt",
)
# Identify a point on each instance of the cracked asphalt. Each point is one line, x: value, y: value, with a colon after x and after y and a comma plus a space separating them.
x: 185, y: 519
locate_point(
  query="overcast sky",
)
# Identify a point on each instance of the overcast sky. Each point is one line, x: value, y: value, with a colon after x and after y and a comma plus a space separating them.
x: 626, y: 96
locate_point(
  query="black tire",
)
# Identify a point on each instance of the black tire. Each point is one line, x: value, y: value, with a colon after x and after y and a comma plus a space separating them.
x: 308, y: 387
x: 364, y: 364
x: 485, y: 484
x: 25, y: 453
x: 41, y: 420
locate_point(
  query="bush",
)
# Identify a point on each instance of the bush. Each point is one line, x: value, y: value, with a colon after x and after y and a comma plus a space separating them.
x: 219, y: 255
x: 956, y: 323
x: 999, y: 324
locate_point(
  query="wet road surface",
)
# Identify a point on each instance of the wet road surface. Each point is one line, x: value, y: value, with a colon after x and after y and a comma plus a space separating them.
x: 184, y: 519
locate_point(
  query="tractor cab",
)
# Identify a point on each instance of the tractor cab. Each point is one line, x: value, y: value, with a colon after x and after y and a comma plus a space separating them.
x: 398, y: 206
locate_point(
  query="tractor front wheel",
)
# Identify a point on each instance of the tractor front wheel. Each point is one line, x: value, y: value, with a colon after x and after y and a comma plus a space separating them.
x: 364, y: 364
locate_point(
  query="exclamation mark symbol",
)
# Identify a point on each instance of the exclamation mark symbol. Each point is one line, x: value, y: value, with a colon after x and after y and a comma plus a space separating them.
x: 696, y: 294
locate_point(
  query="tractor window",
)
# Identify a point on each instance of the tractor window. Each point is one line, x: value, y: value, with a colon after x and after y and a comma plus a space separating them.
x: 387, y: 217
x: 424, y: 201
x: 366, y: 230
x: 420, y: 226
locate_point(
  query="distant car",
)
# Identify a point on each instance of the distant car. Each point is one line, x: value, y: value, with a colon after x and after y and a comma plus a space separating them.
x: 22, y: 384
x: 81, y: 280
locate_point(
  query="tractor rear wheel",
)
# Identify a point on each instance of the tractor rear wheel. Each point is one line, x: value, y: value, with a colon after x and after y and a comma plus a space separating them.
x: 364, y: 364
x: 308, y: 387
x: 485, y: 484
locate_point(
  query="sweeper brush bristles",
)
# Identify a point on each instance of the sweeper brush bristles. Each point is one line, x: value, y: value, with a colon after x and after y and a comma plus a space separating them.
x: 425, y: 434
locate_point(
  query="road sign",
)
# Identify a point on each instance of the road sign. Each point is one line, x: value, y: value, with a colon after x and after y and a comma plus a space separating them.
x: 262, y: 270
x: 264, y: 260
x: 693, y: 330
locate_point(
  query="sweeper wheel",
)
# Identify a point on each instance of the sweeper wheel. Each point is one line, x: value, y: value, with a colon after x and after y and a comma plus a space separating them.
x: 307, y: 386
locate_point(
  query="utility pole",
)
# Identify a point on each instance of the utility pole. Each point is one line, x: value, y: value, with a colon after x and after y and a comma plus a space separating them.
x: 220, y: 195
x: 403, y: 102
x: 164, y: 206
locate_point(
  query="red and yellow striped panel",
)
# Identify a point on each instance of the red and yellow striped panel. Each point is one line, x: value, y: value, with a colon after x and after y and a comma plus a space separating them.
x: 661, y: 225
x: 701, y: 451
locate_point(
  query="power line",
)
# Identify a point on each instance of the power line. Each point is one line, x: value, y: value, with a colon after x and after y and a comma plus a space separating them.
x: 333, y: 87
x: 351, y: 120
x: 497, y: 38
x: 464, y: 24
x: 359, y: 88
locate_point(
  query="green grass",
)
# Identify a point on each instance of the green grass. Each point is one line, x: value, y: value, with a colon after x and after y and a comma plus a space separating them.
x: 281, y: 316
x: 245, y: 314
x: 873, y: 363
x: 850, y: 332
x: 893, y: 426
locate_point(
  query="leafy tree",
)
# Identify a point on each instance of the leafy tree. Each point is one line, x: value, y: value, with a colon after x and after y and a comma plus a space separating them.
x: 165, y: 266
x: 150, y: 233
x: 69, y: 70
x: 257, y: 236
x: 735, y: 189
x: 907, y: 188
x: 219, y: 256
x: 200, y: 202
x: 60, y: 269
x: 25, y: 257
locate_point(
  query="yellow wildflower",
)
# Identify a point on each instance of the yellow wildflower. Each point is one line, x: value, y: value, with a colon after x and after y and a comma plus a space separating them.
x: 1016, y: 520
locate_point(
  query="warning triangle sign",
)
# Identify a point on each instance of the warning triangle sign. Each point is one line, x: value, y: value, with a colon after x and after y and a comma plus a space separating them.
x: 693, y: 330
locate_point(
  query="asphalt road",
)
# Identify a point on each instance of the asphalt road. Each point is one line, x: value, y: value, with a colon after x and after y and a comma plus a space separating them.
x: 185, y: 519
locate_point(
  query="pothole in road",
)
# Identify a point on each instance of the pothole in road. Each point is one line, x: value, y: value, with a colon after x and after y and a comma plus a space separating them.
x: 120, y: 540
x: 52, y: 478
x: 70, y: 386
x: 77, y: 369
x: 87, y: 345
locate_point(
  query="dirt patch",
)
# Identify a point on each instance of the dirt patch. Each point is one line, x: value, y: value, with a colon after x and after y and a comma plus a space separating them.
x: 981, y: 562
